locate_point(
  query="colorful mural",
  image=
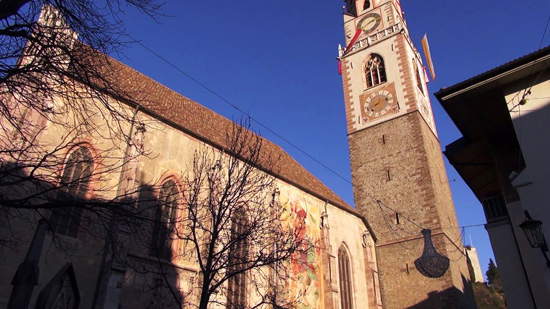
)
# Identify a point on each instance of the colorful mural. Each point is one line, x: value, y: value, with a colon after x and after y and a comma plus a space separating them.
x: 306, y: 264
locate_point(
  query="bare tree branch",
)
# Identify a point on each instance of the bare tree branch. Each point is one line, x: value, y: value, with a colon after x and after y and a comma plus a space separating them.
x: 233, y: 225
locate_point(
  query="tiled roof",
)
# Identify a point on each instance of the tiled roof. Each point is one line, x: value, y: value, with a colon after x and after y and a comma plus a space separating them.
x: 205, y: 124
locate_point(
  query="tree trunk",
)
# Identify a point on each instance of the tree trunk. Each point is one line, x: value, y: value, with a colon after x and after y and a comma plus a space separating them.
x: 205, y: 296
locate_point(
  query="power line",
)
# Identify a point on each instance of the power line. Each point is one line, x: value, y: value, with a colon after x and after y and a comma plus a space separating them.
x: 464, y: 226
x: 544, y: 32
x: 272, y: 131
x: 225, y: 100
x: 528, y: 91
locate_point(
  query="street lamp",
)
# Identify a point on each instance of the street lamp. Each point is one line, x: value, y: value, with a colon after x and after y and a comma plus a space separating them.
x: 535, y: 235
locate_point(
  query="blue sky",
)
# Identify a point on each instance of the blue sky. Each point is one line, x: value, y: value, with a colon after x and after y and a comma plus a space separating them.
x: 277, y: 61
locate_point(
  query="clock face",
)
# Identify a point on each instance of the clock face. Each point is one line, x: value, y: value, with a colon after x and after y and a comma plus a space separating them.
x: 369, y: 23
x: 378, y: 103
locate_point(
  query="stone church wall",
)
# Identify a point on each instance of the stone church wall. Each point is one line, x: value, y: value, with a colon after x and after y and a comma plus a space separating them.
x: 170, y: 154
x: 357, y: 240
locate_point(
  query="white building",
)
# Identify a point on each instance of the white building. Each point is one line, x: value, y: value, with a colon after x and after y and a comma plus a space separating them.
x: 504, y: 116
x: 473, y: 259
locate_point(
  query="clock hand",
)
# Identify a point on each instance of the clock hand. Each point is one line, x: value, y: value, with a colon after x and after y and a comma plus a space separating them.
x: 366, y: 24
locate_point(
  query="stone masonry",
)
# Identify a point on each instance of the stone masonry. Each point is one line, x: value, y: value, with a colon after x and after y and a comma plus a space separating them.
x: 399, y: 163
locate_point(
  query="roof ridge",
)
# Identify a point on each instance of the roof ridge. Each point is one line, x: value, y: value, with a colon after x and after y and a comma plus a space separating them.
x: 150, y: 92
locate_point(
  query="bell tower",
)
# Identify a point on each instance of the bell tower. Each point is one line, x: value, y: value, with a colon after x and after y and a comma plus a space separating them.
x: 399, y: 179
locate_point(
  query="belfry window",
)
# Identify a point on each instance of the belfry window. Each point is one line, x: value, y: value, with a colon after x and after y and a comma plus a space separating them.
x: 344, y: 273
x: 375, y: 71
x: 165, y: 219
x: 366, y: 6
x: 238, y: 252
x: 418, y: 78
x: 73, y: 187
x: 351, y: 8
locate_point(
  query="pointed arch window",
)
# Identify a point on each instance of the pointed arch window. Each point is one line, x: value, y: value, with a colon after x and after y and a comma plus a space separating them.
x: 238, y: 252
x: 344, y: 272
x: 375, y: 71
x: 366, y: 5
x: 74, y: 185
x: 351, y: 8
x: 418, y: 78
x: 165, y: 219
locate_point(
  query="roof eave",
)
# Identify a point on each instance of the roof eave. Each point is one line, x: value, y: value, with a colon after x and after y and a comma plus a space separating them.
x: 520, y: 64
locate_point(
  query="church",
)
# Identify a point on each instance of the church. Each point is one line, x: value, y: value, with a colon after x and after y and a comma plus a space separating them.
x: 399, y: 247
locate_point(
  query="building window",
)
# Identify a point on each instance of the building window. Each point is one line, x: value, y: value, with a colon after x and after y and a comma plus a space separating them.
x: 418, y: 78
x: 366, y: 6
x: 236, y: 289
x: 494, y: 208
x: 375, y: 71
x: 344, y: 272
x: 73, y: 187
x: 165, y: 219
x: 350, y: 7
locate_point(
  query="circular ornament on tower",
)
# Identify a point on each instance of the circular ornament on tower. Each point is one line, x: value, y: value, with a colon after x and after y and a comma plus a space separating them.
x: 378, y: 103
x: 369, y: 23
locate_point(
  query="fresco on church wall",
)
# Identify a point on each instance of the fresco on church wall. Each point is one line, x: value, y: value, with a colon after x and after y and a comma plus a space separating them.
x: 305, y: 266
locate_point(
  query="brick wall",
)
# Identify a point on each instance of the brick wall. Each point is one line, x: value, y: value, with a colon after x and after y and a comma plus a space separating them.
x: 399, y: 162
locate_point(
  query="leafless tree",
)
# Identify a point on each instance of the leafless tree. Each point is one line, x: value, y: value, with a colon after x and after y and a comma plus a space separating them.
x: 56, y: 86
x: 231, y: 223
x: 54, y: 72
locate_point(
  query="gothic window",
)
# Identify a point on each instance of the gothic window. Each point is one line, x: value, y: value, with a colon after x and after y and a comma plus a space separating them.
x: 375, y: 71
x: 73, y: 187
x: 165, y: 219
x: 366, y: 6
x: 344, y: 273
x: 236, y: 289
x: 418, y: 78
x: 350, y: 7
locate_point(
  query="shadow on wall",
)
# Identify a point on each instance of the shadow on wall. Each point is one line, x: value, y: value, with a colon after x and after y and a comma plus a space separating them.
x: 151, y: 280
x: 451, y: 298
x: 138, y: 273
